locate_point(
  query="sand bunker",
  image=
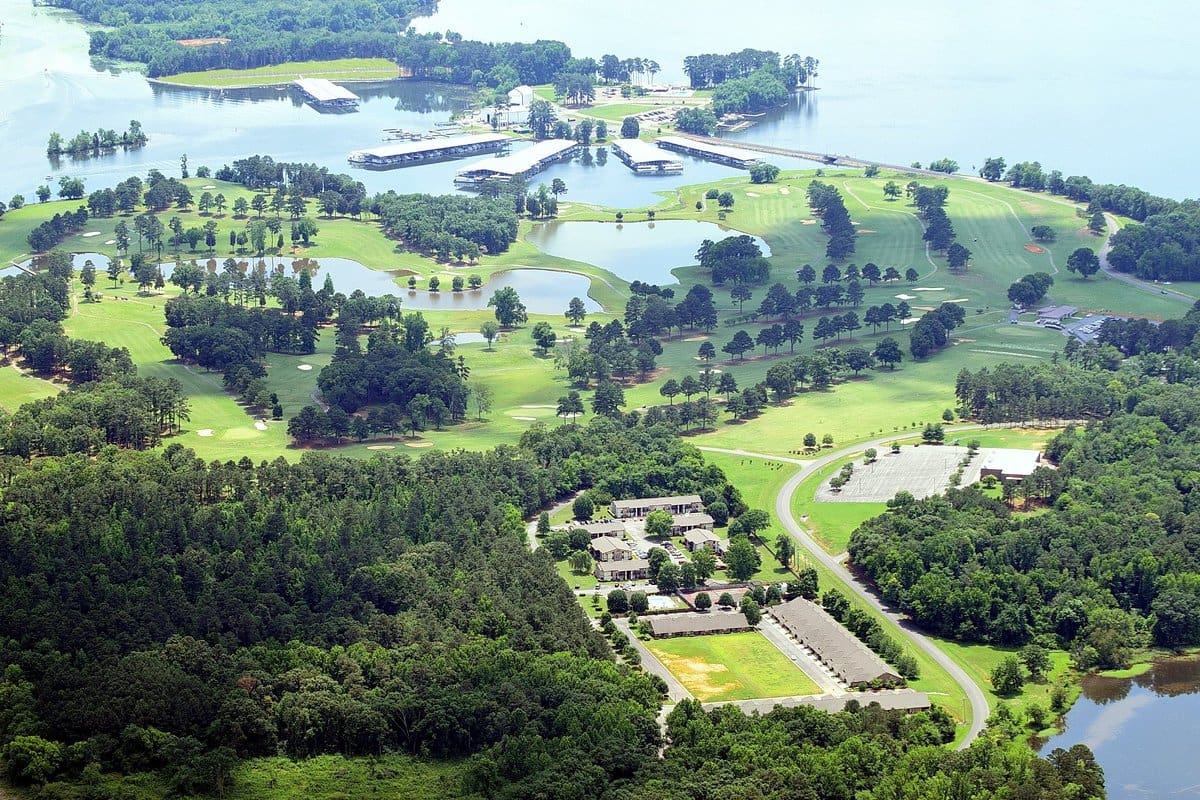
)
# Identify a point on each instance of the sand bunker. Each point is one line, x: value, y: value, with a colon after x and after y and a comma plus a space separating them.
x: 90, y: 234
x: 1033, y: 248
x: 923, y: 308
x: 262, y: 426
x: 696, y: 339
x: 111, y: 241
x: 418, y: 444
x: 752, y: 194
x: 909, y: 321
x: 204, y: 432
x: 865, y: 230
x: 210, y: 186
x: 959, y: 300
x: 536, y: 405
x: 384, y: 446
x: 808, y: 222
x: 525, y: 419
x: 714, y: 371
x: 906, y: 297
x: 785, y: 190
x: 930, y: 289
x: 304, y: 367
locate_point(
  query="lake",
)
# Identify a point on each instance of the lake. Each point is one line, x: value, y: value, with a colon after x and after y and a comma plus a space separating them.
x: 1142, y: 730
x: 645, y: 251
x: 1104, y: 95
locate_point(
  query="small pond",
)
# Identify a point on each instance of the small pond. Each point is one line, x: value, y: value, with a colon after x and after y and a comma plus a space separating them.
x: 542, y: 291
x: 645, y: 251
x: 1143, y: 730
x: 99, y: 261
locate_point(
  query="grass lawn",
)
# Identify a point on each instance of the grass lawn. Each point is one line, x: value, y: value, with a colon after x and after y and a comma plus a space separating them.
x: 616, y: 112
x: 978, y: 660
x: 325, y: 777
x: 734, y: 666
x: 341, y: 69
x: 18, y: 388
x: 574, y: 579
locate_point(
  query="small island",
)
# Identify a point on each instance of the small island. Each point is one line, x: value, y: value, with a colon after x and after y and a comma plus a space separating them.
x: 103, y: 140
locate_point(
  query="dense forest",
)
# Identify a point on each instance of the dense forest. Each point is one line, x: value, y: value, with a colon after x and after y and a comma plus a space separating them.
x: 448, y: 225
x: 255, y: 34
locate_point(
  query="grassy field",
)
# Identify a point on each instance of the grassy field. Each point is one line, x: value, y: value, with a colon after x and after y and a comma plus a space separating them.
x: 341, y: 69
x: 320, y: 778
x: 735, y: 666
x: 978, y: 660
x: 18, y: 388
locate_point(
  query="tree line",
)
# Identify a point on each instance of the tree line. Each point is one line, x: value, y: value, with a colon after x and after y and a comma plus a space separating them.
x: 448, y: 225
x: 827, y: 203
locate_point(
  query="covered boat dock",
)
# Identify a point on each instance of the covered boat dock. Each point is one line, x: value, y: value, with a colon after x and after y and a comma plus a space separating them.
x: 722, y: 154
x: 519, y: 164
x: 646, y: 159
x: 399, y: 154
x: 324, y: 95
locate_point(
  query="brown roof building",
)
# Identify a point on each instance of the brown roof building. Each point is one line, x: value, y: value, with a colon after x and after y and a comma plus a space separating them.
x: 608, y: 548
x: 836, y: 647
x: 635, y: 509
x: 603, y: 527
x: 690, y: 623
x: 689, y: 521
x: 629, y: 569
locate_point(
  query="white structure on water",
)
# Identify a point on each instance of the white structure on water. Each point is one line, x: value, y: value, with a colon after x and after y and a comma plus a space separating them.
x: 521, y: 163
x: 397, y: 154
x: 646, y: 159
x: 326, y: 94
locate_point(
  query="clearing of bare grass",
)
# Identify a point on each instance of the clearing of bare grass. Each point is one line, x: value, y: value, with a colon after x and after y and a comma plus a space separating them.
x: 732, y: 666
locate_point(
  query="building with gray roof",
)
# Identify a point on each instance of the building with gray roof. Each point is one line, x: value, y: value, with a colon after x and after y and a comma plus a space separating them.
x: 836, y: 647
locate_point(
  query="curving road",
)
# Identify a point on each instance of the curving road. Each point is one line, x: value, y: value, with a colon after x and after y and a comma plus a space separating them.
x: 783, y: 510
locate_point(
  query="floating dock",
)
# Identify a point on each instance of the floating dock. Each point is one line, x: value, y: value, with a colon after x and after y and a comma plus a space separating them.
x: 400, y: 154
x: 646, y: 159
x: 520, y: 164
x: 326, y: 95
x: 722, y: 154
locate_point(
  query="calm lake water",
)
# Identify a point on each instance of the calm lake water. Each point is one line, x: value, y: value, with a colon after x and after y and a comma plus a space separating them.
x: 645, y: 251
x: 1143, y: 731
x: 1102, y: 89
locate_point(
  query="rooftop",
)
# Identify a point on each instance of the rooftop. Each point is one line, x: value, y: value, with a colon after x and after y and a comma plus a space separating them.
x: 848, y: 656
x: 602, y: 525
x: 640, y: 152
x: 608, y: 544
x: 397, y: 149
x: 700, y: 536
x: 1056, y: 312
x: 522, y: 160
x: 1011, y: 462
x: 692, y: 519
x: 323, y: 91
x: 624, y: 565
x: 723, y: 151
x: 695, y: 623
x: 642, y: 502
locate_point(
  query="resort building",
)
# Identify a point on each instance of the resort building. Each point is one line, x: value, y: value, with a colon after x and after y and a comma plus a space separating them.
x: 326, y: 95
x: 521, y: 96
x: 646, y: 159
x: 720, y: 153
x: 1010, y: 465
x: 1055, y: 314
x: 608, y: 548
x: 703, y: 539
x: 604, y: 527
x: 836, y: 647
x: 691, y: 623
x: 522, y: 163
x: 636, y: 509
x: 681, y: 523
x: 633, y: 569
x: 399, y: 154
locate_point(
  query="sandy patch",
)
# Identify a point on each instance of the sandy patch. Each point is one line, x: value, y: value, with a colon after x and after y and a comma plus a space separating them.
x: 852, y: 222
x: 201, y: 43
x: 210, y: 186
x: 713, y: 371
x: 699, y: 677
x: 304, y: 367
x: 865, y: 230
x: 808, y: 222
x: 930, y: 289
x: 1005, y: 353
x: 963, y: 341
x: 923, y: 308
x: 905, y: 297
x: 260, y: 425
x: 909, y: 321
x: 959, y: 300
x: 90, y: 234
x: 204, y: 432
x: 536, y: 405
x: 385, y: 446
x: 696, y: 339
x: 752, y: 194
x: 111, y: 241
x: 785, y: 190
x: 418, y: 444
x: 525, y: 419
x: 1033, y: 248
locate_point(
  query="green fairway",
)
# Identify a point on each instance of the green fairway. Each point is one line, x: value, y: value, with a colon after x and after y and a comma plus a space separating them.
x: 341, y: 69
x: 732, y: 666
x: 18, y: 388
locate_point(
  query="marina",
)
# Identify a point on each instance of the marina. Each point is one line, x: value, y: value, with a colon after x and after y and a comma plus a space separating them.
x: 404, y: 153
x: 519, y: 164
x: 722, y: 154
x: 646, y: 159
x: 326, y: 95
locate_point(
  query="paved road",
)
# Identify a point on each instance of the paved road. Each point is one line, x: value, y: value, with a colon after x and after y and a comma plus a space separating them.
x: 675, y: 689
x: 1152, y: 288
x: 783, y: 510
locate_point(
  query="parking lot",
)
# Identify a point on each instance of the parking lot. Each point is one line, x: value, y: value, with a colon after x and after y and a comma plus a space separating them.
x: 921, y: 471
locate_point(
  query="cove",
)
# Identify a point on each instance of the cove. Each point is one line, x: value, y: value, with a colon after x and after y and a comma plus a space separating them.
x: 1143, y: 730
x: 642, y: 251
